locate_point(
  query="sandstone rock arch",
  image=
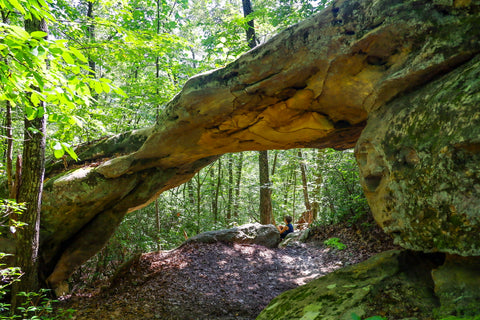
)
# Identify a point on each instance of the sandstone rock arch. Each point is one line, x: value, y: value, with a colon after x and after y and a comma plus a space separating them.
x: 314, y: 85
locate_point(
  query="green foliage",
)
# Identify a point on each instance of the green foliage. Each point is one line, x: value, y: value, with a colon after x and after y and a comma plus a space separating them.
x: 36, y: 305
x: 27, y: 8
x: 39, y: 307
x: 334, y: 243
x: 343, y: 198
x: 7, y: 209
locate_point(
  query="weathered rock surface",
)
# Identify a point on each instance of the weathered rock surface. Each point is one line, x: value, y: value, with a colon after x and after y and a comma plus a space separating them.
x: 396, y: 284
x: 313, y: 85
x: 419, y: 159
x: 253, y: 233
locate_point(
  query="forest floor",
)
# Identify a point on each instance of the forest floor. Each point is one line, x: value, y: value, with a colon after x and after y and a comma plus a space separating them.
x: 222, y: 281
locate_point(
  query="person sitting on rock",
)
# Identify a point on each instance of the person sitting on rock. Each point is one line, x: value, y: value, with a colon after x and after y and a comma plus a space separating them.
x: 287, y: 228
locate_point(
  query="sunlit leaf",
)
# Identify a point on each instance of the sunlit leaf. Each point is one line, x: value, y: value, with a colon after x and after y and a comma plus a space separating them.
x: 78, y: 54
x: 20, y: 32
x: 68, y: 58
x: 38, y: 34
x: 98, y: 87
x: 30, y: 112
x: 17, y: 6
x: 70, y: 152
x: 58, y: 153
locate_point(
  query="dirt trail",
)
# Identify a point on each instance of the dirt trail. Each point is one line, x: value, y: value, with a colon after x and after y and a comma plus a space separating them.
x: 219, y: 281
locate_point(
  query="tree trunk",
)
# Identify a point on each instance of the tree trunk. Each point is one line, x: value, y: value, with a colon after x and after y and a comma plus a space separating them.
x: 30, y: 192
x: 198, y: 193
x: 217, y: 191
x: 251, y: 37
x: 230, y: 187
x: 9, y: 151
x: 294, y: 193
x: 158, y: 225
x: 318, y: 184
x: 265, y: 191
x: 157, y: 64
x: 238, y: 185
x: 91, y: 36
x: 307, y: 216
x: 274, y: 165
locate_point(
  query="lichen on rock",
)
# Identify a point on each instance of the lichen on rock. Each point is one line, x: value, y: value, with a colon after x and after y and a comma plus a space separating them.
x: 418, y: 159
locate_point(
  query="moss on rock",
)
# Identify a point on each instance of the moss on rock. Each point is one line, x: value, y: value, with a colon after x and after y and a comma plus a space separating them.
x: 396, y: 284
x: 423, y: 149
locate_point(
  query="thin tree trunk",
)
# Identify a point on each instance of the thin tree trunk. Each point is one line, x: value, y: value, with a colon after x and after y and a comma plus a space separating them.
x: 274, y: 165
x: 9, y: 151
x: 294, y: 193
x: 191, y: 192
x: 230, y: 187
x: 238, y: 185
x: 265, y: 191
x: 251, y: 37
x: 199, y: 186
x: 217, y: 191
x: 8, y: 131
x: 157, y: 223
x: 318, y: 185
x: 157, y: 65
x: 91, y: 35
x: 303, y: 169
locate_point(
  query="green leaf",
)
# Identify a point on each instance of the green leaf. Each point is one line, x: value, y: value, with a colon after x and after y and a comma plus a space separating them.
x: 34, y: 98
x: 30, y: 112
x: 78, y: 54
x: 70, y: 151
x: 106, y: 87
x: 17, y: 6
x: 20, y: 32
x: 98, y: 87
x: 38, y: 34
x: 68, y: 58
x: 58, y: 153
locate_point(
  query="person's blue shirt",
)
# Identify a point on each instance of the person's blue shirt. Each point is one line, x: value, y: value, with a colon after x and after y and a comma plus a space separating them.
x: 286, y: 232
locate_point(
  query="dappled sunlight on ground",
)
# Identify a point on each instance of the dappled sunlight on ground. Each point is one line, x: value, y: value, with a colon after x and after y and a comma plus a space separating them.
x: 218, y: 281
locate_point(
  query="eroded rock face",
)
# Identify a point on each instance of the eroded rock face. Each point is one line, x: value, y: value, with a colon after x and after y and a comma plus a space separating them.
x: 419, y: 160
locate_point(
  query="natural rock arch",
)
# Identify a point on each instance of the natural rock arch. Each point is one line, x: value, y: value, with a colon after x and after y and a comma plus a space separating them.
x: 313, y: 85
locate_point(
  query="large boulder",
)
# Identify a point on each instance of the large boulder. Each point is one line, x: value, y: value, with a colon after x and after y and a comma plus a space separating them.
x: 419, y: 159
x: 253, y: 233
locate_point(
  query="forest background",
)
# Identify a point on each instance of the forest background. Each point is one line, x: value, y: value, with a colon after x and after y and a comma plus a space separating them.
x: 111, y: 66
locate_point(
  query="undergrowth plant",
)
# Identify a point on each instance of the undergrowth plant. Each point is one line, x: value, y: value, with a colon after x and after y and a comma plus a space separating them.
x: 334, y: 243
x: 36, y: 305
